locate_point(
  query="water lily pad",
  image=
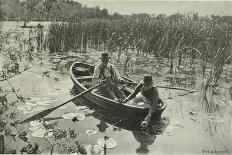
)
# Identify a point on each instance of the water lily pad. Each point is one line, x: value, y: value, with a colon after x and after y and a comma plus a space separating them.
x: 39, y: 108
x: 34, y: 128
x: 108, y: 142
x: 35, y: 123
x: 40, y: 133
x: 31, y: 104
x: 69, y: 115
x: 80, y: 116
x: 35, y: 99
x: 28, y: 107
x: 96, y: 149
x: 81, y: 108
x: 88, y: 111
x: 91, y: 131
x: 21, y: 108
x: 45, y: 103
x: 49, y: 133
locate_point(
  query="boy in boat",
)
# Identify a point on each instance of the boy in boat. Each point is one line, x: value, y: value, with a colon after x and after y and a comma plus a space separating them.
x: 147, y: 93
x: 107, y: 72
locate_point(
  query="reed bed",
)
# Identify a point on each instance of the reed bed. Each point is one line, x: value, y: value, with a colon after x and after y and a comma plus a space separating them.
x: 174, y: 37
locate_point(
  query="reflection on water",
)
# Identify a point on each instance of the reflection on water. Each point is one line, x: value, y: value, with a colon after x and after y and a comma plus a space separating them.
x: 213, y: 112
x: 144, y: 139
x: 217, y: 116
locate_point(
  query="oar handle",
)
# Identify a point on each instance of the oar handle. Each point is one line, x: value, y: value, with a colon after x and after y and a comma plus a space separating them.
x: 167, y: 87
x: 177, y: 88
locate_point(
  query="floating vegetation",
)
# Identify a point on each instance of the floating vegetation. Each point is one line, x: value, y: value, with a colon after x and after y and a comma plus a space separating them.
x: 39, y: 108
x: 31, y: 104
x: 107, y: 142
x: 94, y: 149
x: 79, y: 108
x: 39, y: 130
x: 35, y: 123
x: 44, y: 103
x: 68, y: 115
x: 71, y: 116
x: 40, y: 133
x: 91, y: 131
x: 21, y: 108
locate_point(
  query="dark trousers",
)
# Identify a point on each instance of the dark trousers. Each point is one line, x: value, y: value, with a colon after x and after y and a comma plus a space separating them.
x: 111, y: 91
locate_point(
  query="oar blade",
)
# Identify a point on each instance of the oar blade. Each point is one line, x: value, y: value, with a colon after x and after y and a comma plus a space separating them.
x: 38, y: 115
x: 48, y: 111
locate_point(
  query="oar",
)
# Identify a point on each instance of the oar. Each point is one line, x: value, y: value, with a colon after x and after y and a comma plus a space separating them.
x: 158, y: 86
x: 48, y: 111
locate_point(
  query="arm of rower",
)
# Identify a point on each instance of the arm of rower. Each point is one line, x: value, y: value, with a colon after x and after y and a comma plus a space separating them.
x: 96, y: 74
x: 136, y: 91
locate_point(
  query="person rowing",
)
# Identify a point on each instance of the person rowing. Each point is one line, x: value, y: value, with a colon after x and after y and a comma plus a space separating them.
x: 147, y: 93
x: 107, y: 72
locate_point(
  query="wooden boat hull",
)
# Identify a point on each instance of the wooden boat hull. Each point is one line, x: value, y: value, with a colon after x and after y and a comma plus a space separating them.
x: 111, y: 106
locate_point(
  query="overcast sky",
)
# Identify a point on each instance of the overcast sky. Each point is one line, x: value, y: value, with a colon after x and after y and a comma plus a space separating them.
x: 157, y: 7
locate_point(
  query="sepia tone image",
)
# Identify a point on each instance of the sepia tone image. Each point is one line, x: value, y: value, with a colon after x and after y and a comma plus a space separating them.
x: 115, y: 77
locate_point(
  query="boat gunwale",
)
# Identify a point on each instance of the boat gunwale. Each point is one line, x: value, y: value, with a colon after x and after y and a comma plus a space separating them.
x: 102, y: 97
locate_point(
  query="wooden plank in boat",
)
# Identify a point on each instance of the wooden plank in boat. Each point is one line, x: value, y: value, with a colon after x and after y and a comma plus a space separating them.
x: 84, y: 77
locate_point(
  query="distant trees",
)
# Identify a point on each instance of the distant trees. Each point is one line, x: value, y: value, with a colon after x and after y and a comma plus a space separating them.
x: 1, y: 14
x: 116, y: 15
x: 48, y: 10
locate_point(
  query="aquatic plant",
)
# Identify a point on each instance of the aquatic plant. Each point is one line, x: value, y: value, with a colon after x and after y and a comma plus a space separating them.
x: 177, y: 38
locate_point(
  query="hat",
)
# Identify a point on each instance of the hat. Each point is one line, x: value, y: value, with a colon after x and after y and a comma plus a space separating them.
x: 147, y: 78
x: 105, y: 55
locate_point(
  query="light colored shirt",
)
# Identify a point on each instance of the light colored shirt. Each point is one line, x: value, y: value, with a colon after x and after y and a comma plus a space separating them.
x: 106, y: 73
x: 151, y: 94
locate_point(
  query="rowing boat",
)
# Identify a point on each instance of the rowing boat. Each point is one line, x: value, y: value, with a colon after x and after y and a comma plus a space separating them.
x: 82, y: 74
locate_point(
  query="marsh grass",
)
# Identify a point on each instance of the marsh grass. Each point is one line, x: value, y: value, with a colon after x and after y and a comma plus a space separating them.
x: 175, y: 38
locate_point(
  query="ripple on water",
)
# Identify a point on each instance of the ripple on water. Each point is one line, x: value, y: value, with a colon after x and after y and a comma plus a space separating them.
x: 34, y: 104
x: 170, y: 129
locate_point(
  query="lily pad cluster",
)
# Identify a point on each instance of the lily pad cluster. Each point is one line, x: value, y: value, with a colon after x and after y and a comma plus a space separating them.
x: 74, y: 116
x: 34, y: 104
x: 39, y: 130
x: 107, y: 142
x: 91, y: 131
x: 102, y: 145
x: 94, y: 149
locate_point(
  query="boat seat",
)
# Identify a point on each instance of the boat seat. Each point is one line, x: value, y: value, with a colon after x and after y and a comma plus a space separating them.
x: 84, y: 77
